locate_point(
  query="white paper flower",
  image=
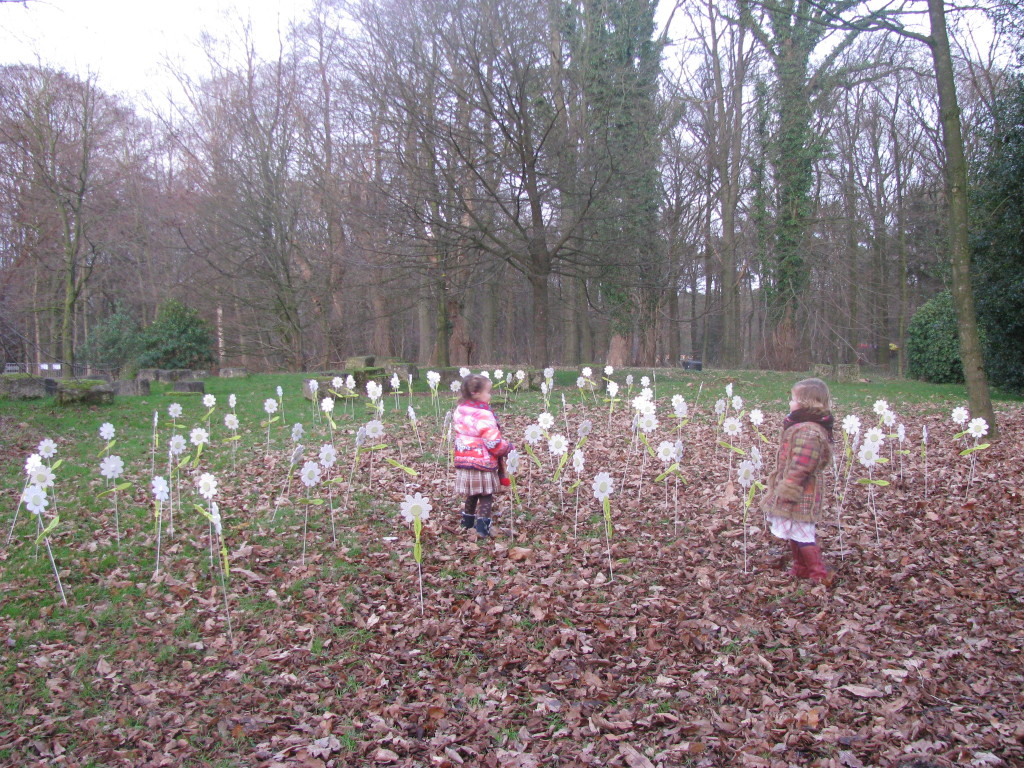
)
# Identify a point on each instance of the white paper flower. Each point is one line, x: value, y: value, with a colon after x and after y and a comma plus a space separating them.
x: 647, y: 393
x: 374, y: 390
x: 395, y: 382
x: 35, y: 499
x: 549, y: 373
x: 314, y: 385
x: 485, y: 374
x: 455, y: 387
x: 411, y: 413
x: 755, y: 457
x: 745, y: 473
x: 603, y: 486
x: 280, y: 392
x: 577, y: 461
x: 581, y: 382
x: 328, y: 455
x: 177, y: 445
x: 298, y: 431
x: 719, y: 406
x: 207, y: 486
x: 613, y: 389
x: 544, y: 388
x: 327, y: 405
x: 756, y: 417
x: 270, y: 406
x: 978, y: 428
x: 666, y: 451
x: 464, y: 372
x: 960, y: 415
x: 731, y: 426
x: 880, y: 407
x: 32, y: 462
x: 374, y: 430
x: 737, y: 403
x: 557, y: 444
x: 174, y: 410
x: 161, y: 492
x: 512, y: 461
x: 47, y: 448
x: 231, y: 421
x: 107, y: 431
x: 546, y: 420
x: 643, y: 405
x: 888, y: 418
x: 629, y: 379
x: 645, y: 381
x: 350, y: 382
x: 416, y: 506
x: 728, y: 389
x: 209, y: 401
x: 310, y: 474
x: 232, y: 401
x: 680, y: 449
x: 648, y: 422
x: 433, y: 379
x: 498, y: 374
x: 587, y: 372
x: 111, y: 467
x: 680, y: 408
x: 584, y: 429
x: 901, y: 433
x: 42, y: 476
x: 851, y: 425
x: 199, y: 436
x: 337, y: 383
x: 533, y: 433
x: 215, y: 519
x: 874, y: 436
x: 868, y: 454
x: 520, y: 374
x: 608, y: 370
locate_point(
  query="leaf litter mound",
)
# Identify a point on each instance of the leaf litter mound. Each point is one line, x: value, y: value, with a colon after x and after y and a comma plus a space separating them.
x: 529, y: 653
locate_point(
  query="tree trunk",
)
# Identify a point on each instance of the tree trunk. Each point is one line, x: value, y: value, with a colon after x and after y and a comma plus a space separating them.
x: 539, y: 355
x: 955, y: 167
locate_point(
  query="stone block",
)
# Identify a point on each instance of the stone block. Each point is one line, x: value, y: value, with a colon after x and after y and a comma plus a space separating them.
x: 233, y: 373
x: 176, y: 374
x: 403, y: 369
x: 189, y: 386
x: 148, y: 374
x: 22, y: 386
x: 84, y: 392
x: 360, y: 361
x: 131, y: 387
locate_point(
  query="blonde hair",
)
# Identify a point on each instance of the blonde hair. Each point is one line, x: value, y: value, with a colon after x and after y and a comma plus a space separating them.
x: 812, y: 393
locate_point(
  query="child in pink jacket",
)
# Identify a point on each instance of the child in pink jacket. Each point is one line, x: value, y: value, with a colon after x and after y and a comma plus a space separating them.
x: 478, y: 448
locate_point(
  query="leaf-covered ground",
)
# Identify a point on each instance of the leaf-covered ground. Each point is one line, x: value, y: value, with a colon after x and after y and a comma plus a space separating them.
x: 527, y: 653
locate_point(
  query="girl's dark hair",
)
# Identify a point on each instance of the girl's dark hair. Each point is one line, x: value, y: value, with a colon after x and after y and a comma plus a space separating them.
x: 471, y: 385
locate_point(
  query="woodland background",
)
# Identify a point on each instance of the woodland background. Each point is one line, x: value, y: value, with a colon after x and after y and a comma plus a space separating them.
x: 456, y: 182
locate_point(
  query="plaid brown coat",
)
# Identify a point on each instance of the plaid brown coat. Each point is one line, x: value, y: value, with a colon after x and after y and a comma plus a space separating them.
x: 795, y: 489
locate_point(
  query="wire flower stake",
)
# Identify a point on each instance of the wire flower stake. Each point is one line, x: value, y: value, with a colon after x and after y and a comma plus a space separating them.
x: 603, y: 488
x: 511, y: 468
x: 578, y: 461
x: 746, y: 476
x: 208, y: 489
x: 416, y: 509
x: 977, y: 429
x: 293, y: 462
x: 328, y: 457
x: 851, y: 439
x: 161, y: 493
x: 111, y: 468
x: 270, y: 406
x: 36, y: 501
x: 310, y: 476
x: 869, y: 457
x: 154, y: 443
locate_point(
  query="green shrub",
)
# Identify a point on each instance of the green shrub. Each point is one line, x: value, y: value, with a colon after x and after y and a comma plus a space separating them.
x: 178, y: 338
x: 115, y: 342
x: 933, y: 342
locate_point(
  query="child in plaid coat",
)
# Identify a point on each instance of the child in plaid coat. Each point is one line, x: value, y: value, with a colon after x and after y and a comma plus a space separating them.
x: 795, y: 496
x: 479, y: 447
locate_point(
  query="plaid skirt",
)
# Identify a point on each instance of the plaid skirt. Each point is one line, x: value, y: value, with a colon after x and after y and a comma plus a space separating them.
x: 475, y: 482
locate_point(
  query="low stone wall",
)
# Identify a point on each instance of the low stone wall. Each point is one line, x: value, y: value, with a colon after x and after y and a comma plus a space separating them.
x: 84, y: 392
x: 22, y: 386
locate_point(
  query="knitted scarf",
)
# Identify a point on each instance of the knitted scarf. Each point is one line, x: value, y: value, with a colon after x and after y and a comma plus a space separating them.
x: 818, y: 416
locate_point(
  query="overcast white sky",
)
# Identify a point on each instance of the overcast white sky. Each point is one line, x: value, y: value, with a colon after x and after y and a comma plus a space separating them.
x: 126, y: 42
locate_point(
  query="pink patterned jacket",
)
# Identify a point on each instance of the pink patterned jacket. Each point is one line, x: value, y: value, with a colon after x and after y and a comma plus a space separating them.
x: 478, y: 440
